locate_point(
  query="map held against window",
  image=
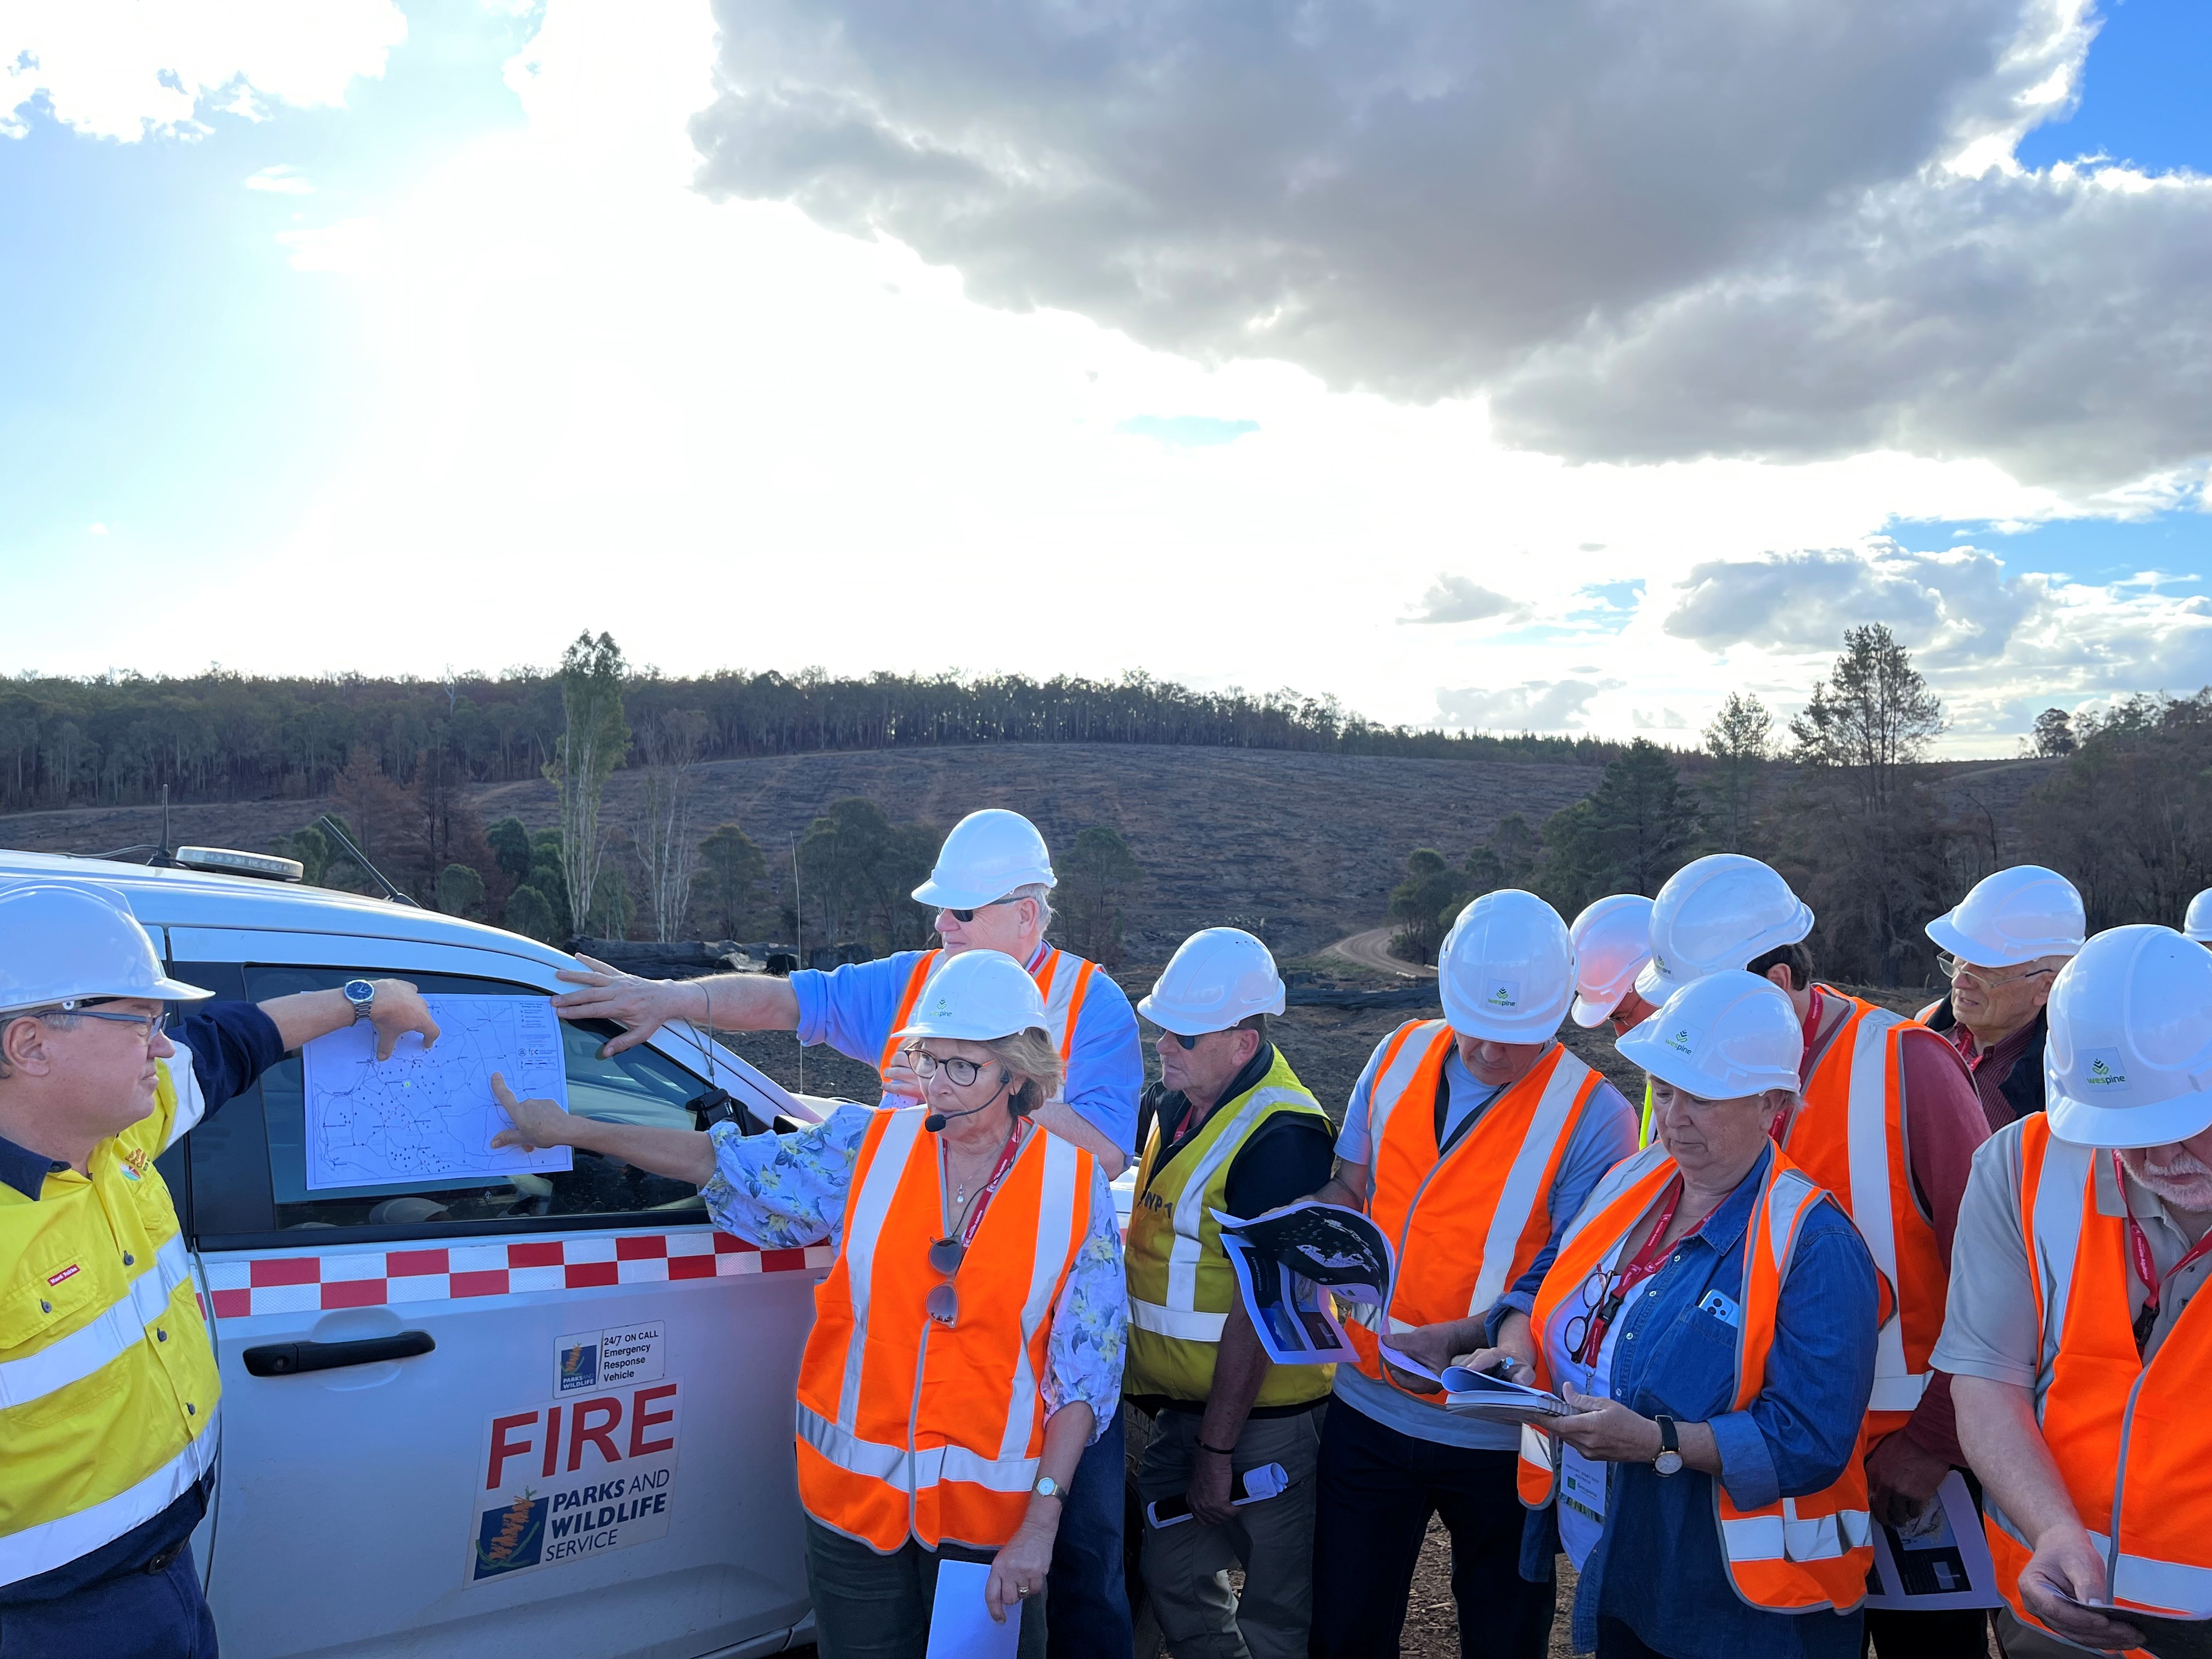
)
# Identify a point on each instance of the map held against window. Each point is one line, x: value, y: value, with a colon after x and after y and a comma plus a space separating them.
x: 428, y: 1114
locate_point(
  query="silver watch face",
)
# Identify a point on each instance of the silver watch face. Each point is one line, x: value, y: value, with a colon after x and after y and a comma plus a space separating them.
x: 360, y: 992
x: 1668, y: 1463
x: 1047, y: 1486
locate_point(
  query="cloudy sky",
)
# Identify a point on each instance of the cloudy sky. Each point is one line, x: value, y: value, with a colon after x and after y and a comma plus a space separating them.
x: 1562, y: 367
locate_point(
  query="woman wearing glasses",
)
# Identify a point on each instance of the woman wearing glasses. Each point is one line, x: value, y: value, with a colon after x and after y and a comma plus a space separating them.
x: 967, y: 1342
x: 1712, y: 1314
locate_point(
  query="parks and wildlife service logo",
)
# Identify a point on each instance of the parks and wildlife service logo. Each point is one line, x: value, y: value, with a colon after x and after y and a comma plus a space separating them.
x: 134, y: 1164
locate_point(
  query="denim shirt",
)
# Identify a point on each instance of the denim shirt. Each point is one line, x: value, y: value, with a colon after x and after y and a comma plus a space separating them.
x: 1658, y: 1567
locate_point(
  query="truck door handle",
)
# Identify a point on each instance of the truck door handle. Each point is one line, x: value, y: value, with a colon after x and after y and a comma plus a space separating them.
x: 287, y: 1358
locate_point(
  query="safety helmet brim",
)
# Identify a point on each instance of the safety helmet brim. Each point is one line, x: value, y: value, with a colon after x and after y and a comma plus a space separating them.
x: 953, y: 1028
x: 950, y: 896
x: 1951, y: 938
x: 1591, y: 1012
x: 162, y: 989
x: 2126, y: 1128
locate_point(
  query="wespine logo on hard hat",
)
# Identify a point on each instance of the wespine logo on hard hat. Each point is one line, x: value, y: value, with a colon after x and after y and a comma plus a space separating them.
x: 1503, y: 993
x: 1680, y: 1043
x: 2105, y: 1069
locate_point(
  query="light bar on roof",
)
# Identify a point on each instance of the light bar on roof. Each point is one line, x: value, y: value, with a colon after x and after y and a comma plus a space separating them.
x: 223, y: 860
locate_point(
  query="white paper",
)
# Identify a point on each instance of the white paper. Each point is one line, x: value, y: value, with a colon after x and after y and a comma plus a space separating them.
x: 960, y: 1623
x: 1475, y: 1394
x: 427, y: 1115
x: 1940, y: 1560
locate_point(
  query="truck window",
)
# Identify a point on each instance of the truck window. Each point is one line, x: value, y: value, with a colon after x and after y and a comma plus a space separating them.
x: 248, y: 1164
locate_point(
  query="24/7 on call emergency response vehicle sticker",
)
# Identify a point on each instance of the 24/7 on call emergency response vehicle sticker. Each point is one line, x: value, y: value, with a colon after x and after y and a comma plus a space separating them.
x: 612, y: 1358
x: 575, y: 1478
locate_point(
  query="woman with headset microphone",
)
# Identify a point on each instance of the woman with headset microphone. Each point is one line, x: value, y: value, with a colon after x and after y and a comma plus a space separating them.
x: 967, y: 1341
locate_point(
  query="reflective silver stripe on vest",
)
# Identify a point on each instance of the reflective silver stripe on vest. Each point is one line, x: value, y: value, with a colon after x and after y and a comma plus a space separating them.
x: 2062, y: 1188
x: 1866, y: 1138
x: 1395, y: 1078
x: 119, y: 1328
x: 1523, y: 1188
x: 1055, y: 1207
x: 1065, y: 977
x: 1611, y: 1185
x: 1190, y: 1204
x: 870, y: 1206
x: 1183, y: 1325
x: 51, y: 1543
x: 913, y: 1472
x: 1784, y: 1537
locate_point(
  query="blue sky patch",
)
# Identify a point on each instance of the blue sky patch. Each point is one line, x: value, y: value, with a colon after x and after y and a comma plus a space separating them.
x: 1186, y: 431
x: 2177, y: 543
x: 2146, y: 92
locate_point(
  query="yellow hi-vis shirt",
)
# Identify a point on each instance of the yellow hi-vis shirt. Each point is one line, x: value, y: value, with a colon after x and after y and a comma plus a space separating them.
x: 1180, y: 1283
x: 107, y: 1377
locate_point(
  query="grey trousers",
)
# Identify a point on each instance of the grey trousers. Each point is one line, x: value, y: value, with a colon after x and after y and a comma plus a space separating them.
x: 1186, y: 1567
x: 868, y: 1605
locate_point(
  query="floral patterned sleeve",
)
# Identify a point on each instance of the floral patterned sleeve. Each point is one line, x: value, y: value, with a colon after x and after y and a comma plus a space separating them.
x: 782, y: 1191
x: 1083, y: 1356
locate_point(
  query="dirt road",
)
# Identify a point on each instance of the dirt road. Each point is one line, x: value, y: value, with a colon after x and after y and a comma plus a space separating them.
x: 1371, y: 950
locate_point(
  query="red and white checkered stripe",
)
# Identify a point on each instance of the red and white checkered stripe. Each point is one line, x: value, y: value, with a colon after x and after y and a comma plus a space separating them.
x: 375, y: 1279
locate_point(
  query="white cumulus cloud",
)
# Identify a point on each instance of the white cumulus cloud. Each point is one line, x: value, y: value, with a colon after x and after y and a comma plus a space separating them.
x: 118, y: 70
x: 1533, y: 706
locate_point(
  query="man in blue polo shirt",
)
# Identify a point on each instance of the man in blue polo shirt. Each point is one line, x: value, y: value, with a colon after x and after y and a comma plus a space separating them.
x: 990, y: 889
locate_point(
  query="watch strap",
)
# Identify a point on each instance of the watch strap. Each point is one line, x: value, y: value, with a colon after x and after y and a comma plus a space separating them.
x: 1667, y: 1441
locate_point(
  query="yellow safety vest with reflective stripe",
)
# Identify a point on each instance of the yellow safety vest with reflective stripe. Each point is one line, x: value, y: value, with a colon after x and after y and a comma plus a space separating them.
x: 1180, y: 1283
x: 1646, y: 1132
x: 107, y: 1377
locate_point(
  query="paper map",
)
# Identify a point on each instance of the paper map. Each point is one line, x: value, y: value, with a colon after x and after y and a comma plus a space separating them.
x: 428, y: 1114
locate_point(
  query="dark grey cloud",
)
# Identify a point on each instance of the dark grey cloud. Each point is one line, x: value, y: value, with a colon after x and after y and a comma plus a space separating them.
x: 1706, y: 227
x: 1457, y: 600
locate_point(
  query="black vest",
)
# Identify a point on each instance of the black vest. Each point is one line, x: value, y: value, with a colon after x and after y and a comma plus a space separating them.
x: 2022, y: 1087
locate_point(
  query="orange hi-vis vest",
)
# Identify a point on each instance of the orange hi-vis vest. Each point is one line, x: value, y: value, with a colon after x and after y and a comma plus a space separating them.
x: 1795, y: 1554
x: 1063, y: 980
x: 2132, y: 1441
x: 1849, y: 1136
x: 1468, y: 1223
x: 908, y: 1427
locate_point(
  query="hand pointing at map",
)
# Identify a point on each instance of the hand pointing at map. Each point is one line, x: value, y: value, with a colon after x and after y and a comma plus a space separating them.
x: 536, y: 1122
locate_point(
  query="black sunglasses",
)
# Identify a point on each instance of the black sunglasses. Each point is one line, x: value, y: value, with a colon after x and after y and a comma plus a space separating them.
x: 971, y: 913
x: 1186, y: 1043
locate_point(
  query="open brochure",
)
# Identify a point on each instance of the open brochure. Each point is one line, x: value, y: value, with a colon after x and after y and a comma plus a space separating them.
x: 1940, y: 1558
x: 1292, y: 1263
x: 2165, y: 1637
x: 1485, y: 1395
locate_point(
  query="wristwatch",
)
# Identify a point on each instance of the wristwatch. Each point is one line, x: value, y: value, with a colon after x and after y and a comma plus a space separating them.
x: 1669, y: 1461
x: 1047, y: 1488
x: 362, y: 994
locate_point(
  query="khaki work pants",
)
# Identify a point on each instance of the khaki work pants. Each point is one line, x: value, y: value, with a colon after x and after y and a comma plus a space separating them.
x: 1186, y: 1567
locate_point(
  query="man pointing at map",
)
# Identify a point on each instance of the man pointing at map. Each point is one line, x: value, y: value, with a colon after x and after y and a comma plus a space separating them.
x: 108, y: 1387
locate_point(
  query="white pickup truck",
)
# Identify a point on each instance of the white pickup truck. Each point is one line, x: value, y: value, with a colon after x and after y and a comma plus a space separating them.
x: 543, y: 1415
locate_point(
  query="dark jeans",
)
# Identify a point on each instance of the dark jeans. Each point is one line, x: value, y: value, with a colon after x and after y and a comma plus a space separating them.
x: 1617, y: 1641
x: 1945, y: 1634
x: 1088, y: 1584
x: 868, y: 1605
x: 1378, y: 1488
x: 158, y: 1614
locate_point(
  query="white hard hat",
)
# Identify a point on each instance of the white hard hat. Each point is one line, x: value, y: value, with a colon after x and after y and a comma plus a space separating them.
x: 2013, y: 916
x: 978, y: 996
x: 2197, y: 925
x: 1720, y: 911
x: 78, y: 943
x: 1506, y: 971
x: 1612, y: 941
x: 2129, y: 1062
x: 1722, y: 1037
x: 986, y: 856
x: 1216, y: 978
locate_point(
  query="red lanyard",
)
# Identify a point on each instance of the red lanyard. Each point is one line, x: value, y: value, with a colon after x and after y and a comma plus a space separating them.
x: 2147, y: 1269
x: 982, y: 1200
x: 1648, y: 1262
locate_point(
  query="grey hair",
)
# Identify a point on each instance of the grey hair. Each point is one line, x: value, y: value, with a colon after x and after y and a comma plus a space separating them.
x: 1040, y: 894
